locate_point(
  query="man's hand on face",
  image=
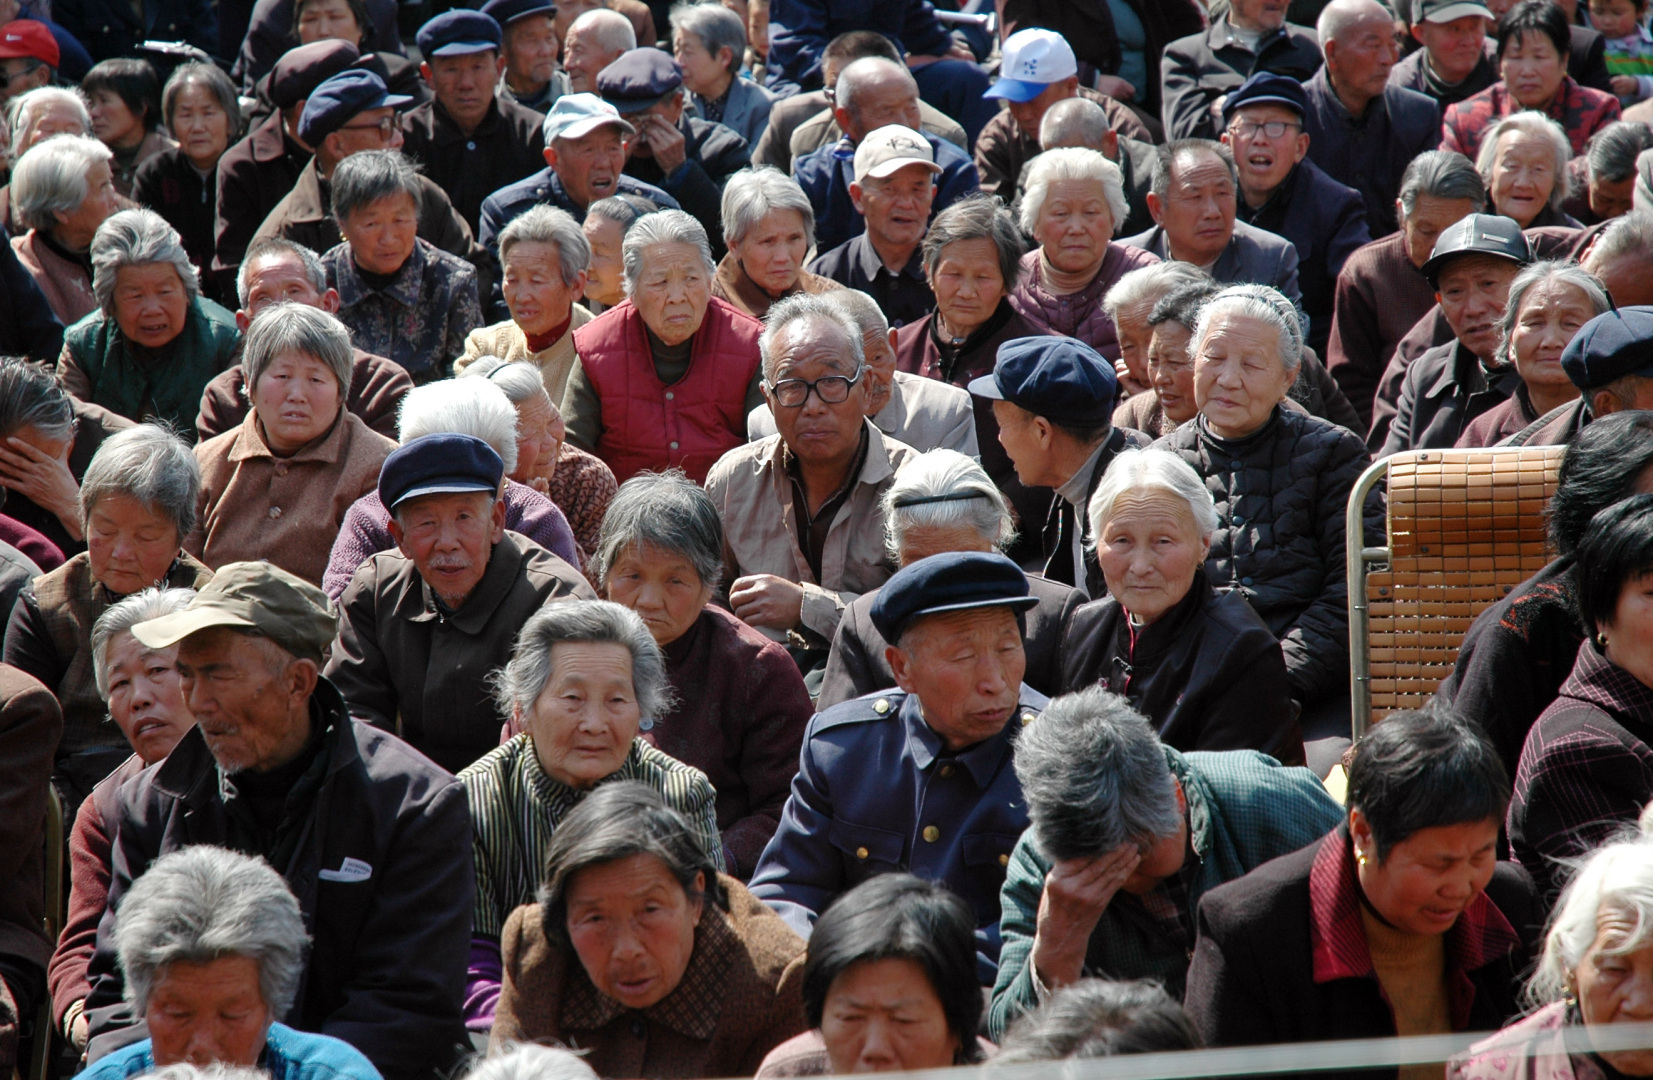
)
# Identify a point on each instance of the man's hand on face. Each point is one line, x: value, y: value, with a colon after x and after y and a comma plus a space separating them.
x: 665, y: 142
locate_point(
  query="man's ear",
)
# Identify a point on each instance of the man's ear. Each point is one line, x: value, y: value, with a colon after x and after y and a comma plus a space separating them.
x: 551, y: 155
x: 855, y: 192
x: 243, y: 320
x: 302, y: 677
x: 397, y: 535
x: 499, y: 516
x: 1154, y: 207
x: 424, y: 73
x: 330, y: 301
x: 1110, y: 145
x: 901, y: 666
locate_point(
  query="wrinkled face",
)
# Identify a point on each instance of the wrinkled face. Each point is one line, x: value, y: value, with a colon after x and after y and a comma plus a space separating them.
x: 1523, y: 176
x: 1630, y: 634
x: 1171, y: 371
x: 703, y: 73
x: 381, y: 234
x: 633, y: 927
x: 605, y: 279
x: 19, y: 75
x: 1429, y: 217
x: 1268, y: 142
x: 540, y: 433
x: 672, y: 291
x: 1551, y: 313
x: 1614, y: 18
x: 772, y: 251
x: 1362, y: 56
x: 531, y: 51
x: 1454, y: 47
x: 535, y: 292
x: 885, y: 1016
x: 113, y: 122
x: 878, y: 373
x: 660, y: 585
x: 1614, y: 981
x: 146, y: 697
x: 1428, y: 879
x: 208, y: 1013
x: 76, y: 227
x: 880, y: 103
x: 897, y: 207
x: 1258, y: 14
x: 249, y: 698
x: 325, y: 20
x: 1075, y: 225
x: 1198, y: 210
x: 278, y: 278
x: 818, y: 432
x: 585, y: 719
x: 465, y: 84
x: 200, y: 125
x: 583, y: 57
x: 1135, y: 336
x: 449, y: 538
x: 297, y: 398
x: 968, y: 283
x: 150, y: 303
x: 1611, y: 198
x: 54, y: 118
x: 1238, y: 376
x: 1532, y: 69
x: 1149, y: 549
x: 965, y: 668
x: 589, y: 167
x: 1472, y: 292
x: 1030, y: 114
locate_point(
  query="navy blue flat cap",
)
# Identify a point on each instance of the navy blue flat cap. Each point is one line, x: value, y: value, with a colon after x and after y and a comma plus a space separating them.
x: 638, y: 79
x: 439, y: 465
x: 1611, y: 345
x: 458, y: 33
x: 506, y: 12
x: 1268, y: 88
x: 1058, y: 378
x: 342, y: 96
x: 954, y: 581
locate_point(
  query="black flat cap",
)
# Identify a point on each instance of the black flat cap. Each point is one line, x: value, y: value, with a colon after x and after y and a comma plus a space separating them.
x: 299, y: 71
x: 638, y: 79
x: 1609, y: 347
x: 506, y: 12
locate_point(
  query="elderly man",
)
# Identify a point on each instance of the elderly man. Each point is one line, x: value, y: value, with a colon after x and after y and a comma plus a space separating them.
x: 1078, y: 121
x: 803, y: 529
x: 29, y: 56
x: 1620, y: 255
x: 1102, y: 883
x: 1363, y: 130
x: 943, y: 801
x: 469, y: 141
x: 1607, y: 361
x: 421, y: 627
x: 1381, y: 292
x: 528, y: 46
x: 894, y: 191
x: 372, y: 838
x: 1454, y: 62
x: 1198, y: 71
x: 279, y: 271
x: 1193, y: 203
x: 872, y: 94
x: 1289, y: 196
x: 1053, y: 398
x: 1448, y: 386
x: 688, y: 158
x: 595, y: 40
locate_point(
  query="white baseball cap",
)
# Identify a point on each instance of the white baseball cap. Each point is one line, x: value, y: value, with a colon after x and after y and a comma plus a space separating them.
x: 890, y: 148
x: 1033, y: 59
x: 575, y: 116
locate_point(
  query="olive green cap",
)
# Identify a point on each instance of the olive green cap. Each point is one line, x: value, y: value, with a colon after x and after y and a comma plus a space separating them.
x: 252, y: 596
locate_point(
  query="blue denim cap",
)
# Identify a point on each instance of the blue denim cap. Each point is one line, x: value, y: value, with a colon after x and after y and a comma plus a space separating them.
x: 347, y: 94
x: 458, y: 33
x: 954, y: 581
x: 443, y: 464
x: 1059, y: 378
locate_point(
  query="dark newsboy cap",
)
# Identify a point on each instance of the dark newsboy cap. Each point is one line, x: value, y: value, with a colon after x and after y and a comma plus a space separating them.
x: 1478, y: 234
x: 506, y: 12
x: 444, y: 464
x: 638, y: 79
x: 1611, y: 345
x: 299, y: 71
x: 347, y: 94
x: 1058, y: 378
x: 458, y: 33
x: 954, y: 581
x: 1267, y: 88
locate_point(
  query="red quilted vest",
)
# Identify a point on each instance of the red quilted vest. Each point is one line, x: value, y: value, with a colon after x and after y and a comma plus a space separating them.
x: 689, y: 424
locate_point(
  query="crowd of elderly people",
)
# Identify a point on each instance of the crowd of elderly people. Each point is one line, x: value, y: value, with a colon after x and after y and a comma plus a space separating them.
x: 708, y: 539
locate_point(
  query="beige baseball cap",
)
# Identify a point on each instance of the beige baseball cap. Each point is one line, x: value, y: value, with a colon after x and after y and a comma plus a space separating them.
x: 252, y: 596
x: 890, y: 148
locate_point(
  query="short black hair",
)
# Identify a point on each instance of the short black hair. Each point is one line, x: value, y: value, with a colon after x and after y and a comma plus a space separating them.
x: 1423, y: 769
x: 900, y: 917
x: 1096, y: 1018
x: 1182, y: 305
x: 1536, y: 17
x: 1601, y: 468
x: 133, y: 81
x: 858, y: 45
x: 1616, y: 549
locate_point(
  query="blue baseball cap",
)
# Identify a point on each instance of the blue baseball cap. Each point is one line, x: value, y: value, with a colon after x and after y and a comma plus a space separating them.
x: 340, y: 97
x: 1268, y: 88
x: 459, y: 32
x: 444, y: 464
x: 954, y: 581
x: 1609, y: 347
x: 1032, y: 60
x: 506, y: 12
x: 1059, y: 378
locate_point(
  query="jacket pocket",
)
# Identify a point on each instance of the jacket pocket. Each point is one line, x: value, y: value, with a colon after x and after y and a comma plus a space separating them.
x: 866, y: 851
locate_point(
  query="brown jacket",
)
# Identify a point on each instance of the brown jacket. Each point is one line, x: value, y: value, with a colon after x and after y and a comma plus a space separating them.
x: 377, y: 387
x: 732, y: 284
x: 67, y: 285
x: 740, y: 997
x: 253, y: 176
x: 30, y: 724
x: 255, y: 505
x: 507, y: 341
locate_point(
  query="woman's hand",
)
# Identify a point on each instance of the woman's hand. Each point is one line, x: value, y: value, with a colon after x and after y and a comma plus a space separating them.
x: 767, y: 600
x: 1077, y: 892
x: 43, y: 479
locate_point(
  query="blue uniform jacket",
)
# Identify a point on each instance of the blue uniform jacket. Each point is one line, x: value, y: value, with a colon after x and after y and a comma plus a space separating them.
x: 825, y: 176
x: 876, y: 793
x: 289, y: 1054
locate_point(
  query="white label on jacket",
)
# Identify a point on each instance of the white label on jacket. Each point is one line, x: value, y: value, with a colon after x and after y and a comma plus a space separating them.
x: 349, y: 870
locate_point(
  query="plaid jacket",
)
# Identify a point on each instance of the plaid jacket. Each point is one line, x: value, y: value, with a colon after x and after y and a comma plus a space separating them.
x: 1580, y: 111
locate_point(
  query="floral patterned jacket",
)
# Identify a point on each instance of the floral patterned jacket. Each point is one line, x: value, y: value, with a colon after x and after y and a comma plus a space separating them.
x: 420, y: 319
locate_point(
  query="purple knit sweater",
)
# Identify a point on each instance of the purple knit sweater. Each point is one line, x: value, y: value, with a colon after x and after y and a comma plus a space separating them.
x: 1078, y: 315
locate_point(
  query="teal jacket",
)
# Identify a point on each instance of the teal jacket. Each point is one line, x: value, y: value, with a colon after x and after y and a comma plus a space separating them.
x: 1244, y: 808
x: 108, y: 372
x: 288, y: 1055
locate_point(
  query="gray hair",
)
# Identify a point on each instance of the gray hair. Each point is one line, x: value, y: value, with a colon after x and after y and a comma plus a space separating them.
x: 278, y: 246
x: 1073, y: 163
x: 150, y: 464
x: 753, y: 194
x: 1148, y: 285
x: 666, y: 511
x: 474, y: 407
x: 1538, y: 126
x: 1617, y: 876
x: 623, y: 210
x: 27, y: 109
x: 31, y: 397
x: 1167, y: 156
x: 135, y: 238
x: 1340, y: 16
x: 810, y: 308
x: 364, y: 178
x: 977, y: 217
x: 212, y: 78
x: 1627, y: 235
x: 944, y: 489
x: 1153, y: 470
x: 1441, y: 174
x: 1540, y: 273
x: 521, y: 380
x: 865, y: 71
x: 51, y: 178
x: 717, y: 28
x: 862, y: 309
x: 662, y: 227
x: 1097, y: 1018
x: 1256, y: 302
x: 549, y: 225
x: 309, y: 331
x: 1612, y: 153
x: 520, y: 682
x: 1074, y: 122
x: 530, y: 1061
x: 203, y: 903
x: 123, y: 616
x: 610, y: 31
x: 216, y: 1070
x: 1094, y: 775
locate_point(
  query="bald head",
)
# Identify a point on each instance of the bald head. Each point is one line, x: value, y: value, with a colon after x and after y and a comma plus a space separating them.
x: 1074, y: 122
x: 1342, y: 18
x: 872, y: 93
x: 595, y: 40
x: 1358, y: 39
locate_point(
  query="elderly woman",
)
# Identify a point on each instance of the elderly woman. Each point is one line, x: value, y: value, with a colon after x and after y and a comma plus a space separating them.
x: 36, y: 116
x: 705, y: 983
x: 709, y: 44
x: 401, y: 297
x: 604, y: 228
x: 546, y: 258
x: 1523, y: 162
x: 584, y: 679
x: 146, y: 702
x: 889, y: 984
x: 1533, y: 43
x: 200, y: 108
x: 1074, y: 205
x: 1097, y: 1018
x: 1401, y: 922
x: 155, y: 341
x: 211, y: 947
x: 1200, y: 665
x: 1549, y: 303
x: 61, y: 192
x: 1281, y: 481
x: 1170, y: 368
x: 741, y: 705
x: 138, y: 501
x: 124, y: 101
x: 1129, y: 304
x: 665, y: 379
x: 277, y: 488
x: 769, y: 228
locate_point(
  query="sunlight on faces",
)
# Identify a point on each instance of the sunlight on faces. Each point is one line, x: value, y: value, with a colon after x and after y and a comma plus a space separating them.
x: 1532, y: 69
x: 1135, y: 338
x: 55, y: 118
x: 703, y: 73
x: 1198, y: 210
x: 150, y: 303
x: 1075, y: 225
x: 530, y: 50
x: 1614, y: 985
x: 1615, y: 18
x: 819, y: 433
x: 672, y: 291
x: 566, y: 14
x: 605, y: 278
x: 1427, y: 880
x: 885, y: 1016
x: 1630, y: 634
x: 1149, y: 550
x: 1026, y: 439
x: 661, y: 586
x: 880, y: 102
x: 146, y: 697
x: 381, y: 234
x: 250, y: 699
x: 585, y: 719
x: 209, y: 1012
x: 464, y: 85
x: 449, y: 537
x: 1626, y: 278
x: 1430, y: 216
x: 878, y: 374
x: 897, y: 207
x: 633, y: 927
x: 1552, y: 312
x: 535, y: 293
x: 1523, y: 176
x: 1171, y: 371
x: 1472, y: 291
x: 584, y: 57
x: 1030, y: 114
x: 1454, y: 47
x: 1265, y: 162
x: 772, y: 251
x: 114, y: 124
x: 540, y: 433
x: 968, y: 284
x: 324, y: 20
x: 130, y: 546
x: 280, y: 277
x: 1363, y: 56
x: 200, y: 125
x: 75, y: 228
x: 1258, y: 14
x: 1238, y: 376
x: 965, y: 668
x: 297, y: 398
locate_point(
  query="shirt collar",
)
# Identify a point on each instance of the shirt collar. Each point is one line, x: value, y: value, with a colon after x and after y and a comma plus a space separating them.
x: 404, y: 288
x: 1077, y: 490
x: 983, y: 761
x: 251, y: 442
x: 1600, y: 682
x: 473, y: 616
x: 865, y: 257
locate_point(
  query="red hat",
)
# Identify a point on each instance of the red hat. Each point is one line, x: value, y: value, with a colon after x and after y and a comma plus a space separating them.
x: 25, y: 37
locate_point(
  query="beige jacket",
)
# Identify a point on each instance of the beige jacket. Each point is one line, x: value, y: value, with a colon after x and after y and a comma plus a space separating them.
x: 507, y: 341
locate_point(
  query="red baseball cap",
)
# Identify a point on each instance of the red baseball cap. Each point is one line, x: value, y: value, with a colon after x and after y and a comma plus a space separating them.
x: 26, y: 37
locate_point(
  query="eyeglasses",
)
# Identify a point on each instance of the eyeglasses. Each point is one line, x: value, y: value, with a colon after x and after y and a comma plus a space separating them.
x: 1274, y: 129
x: 386, y: 127
x: 831, y: 389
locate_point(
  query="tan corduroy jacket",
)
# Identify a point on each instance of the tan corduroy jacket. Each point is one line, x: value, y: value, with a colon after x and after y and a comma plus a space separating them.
x: 507, y: 341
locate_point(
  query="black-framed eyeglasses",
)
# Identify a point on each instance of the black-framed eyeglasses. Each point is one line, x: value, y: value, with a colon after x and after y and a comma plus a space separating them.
x: 1273, y: 129
x: 831, y: 389
x: 386, y: 126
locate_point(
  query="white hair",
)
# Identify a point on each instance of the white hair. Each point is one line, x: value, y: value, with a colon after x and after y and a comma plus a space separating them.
x: 1617, y: 876
x: 135, y: 238
x: 140, y: 607
x: 813, y: 308
x: 610, y: 30
x: 529, y: 1061
x: 522, y: 380
x: 26, y: 110
x: 1148, y: 285
x: 1339, y: 16
x: 474, y: 407
x: 52, y: 178
x: 1540, y: 127
x: 1255, y: 302
x: 753, y: 194
x: 662, y: 227
x: 1073, y: 163
x: 944, y: 489
x: 1148, y: 470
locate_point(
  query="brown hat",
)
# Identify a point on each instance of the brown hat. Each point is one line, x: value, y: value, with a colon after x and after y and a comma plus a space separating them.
x: 253, y: 596
x: 300, y: 70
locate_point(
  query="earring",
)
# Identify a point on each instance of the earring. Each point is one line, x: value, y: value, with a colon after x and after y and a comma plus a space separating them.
x: 1360, y: 857
x: 1601, y: 642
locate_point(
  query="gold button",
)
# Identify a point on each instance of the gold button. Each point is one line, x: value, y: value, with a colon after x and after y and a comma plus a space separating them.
x: 946, y: 771
x: 1004, y: 860
x: 861, y: 853
x: 881, y: 706
x: 931, y: 833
